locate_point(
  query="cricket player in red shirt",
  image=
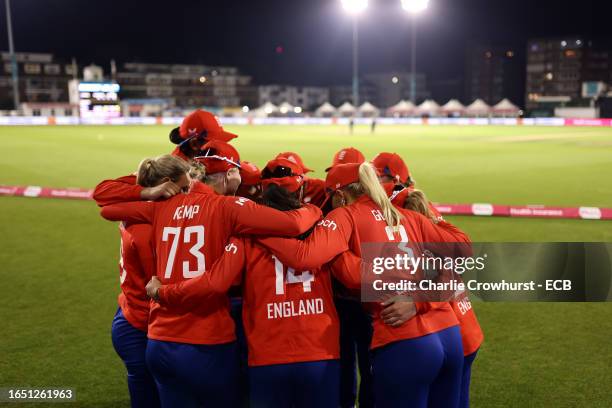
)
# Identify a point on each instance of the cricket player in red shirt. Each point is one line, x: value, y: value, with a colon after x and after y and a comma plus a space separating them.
x: 136, y: 267
x: 314, y: 188
x: 289, y: 316
x: 395, y: 178
x: 418, y: 362
x: 191, y: 351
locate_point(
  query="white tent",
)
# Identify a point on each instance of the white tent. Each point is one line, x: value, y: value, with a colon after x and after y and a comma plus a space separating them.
x: 428, y: 107
x: 453, y: 106
x: 506, y: 108
x: 265, y: 110
x: 327, y: 109
x: 285, y: 108
x: 367, y: 109
x: 478, y: 108
x: 401, y: 108
x: 346, y: 109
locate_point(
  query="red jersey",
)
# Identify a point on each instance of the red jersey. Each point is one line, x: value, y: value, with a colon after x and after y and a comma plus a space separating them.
x: 346, y: 228
x: 471, y: 333
x: 314, y: 192
x: 189, y: 232
x: 136, y: 267
x: 288, y: 316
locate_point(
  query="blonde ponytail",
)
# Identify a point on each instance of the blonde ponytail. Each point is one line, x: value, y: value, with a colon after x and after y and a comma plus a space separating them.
x: 152, y: 171
x: 371, y: 186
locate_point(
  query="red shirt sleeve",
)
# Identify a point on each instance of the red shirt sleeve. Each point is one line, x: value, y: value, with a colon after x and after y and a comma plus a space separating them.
x: 248, y: 217
x: 135, y: 212
x: 443, y: 231
x: 224, y: 273
x: 329, y: 238
x: 347, y: 269
x: 116, y: 191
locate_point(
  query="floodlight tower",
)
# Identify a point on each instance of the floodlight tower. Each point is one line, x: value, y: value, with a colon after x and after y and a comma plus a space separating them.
x: 9, y: 29
x: 355, y: 7
x: 414, y: 7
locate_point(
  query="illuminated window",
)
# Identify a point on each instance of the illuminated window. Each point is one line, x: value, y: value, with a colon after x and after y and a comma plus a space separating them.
x: 549, y: 76
x: 32, y: 68
x: 509, y: 53
x: 52, y: 69
x: 570, y: 53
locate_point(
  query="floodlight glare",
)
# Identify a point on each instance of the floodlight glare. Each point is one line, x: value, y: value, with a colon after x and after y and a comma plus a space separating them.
x: 245, y: 109
x: 414, y: 6
x: 355, y: 6
x: 297, y: 109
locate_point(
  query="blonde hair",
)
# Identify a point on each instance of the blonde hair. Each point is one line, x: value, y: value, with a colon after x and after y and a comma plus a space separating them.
x: 152, y: 171
x: 369, y: 184
x: 417, y: 201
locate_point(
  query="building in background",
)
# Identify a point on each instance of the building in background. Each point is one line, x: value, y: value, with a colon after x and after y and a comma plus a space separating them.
x: 306, y: 97
x: 557, y: 69
x: 187, y: 86
x: 43, y: 79
x: 493, y: 73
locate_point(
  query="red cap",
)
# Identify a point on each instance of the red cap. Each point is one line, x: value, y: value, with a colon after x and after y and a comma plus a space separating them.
x: 294, y: 157
x: 292, y: 182
x: 341, y: 175
x: 199, y: 121
x: 347, y: 155
x: 391, y: 164
x: 218, y: 156
x: 249, y: 173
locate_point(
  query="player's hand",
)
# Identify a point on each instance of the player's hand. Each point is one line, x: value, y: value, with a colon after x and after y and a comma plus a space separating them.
x: 397, y: 310
x: 164, y: 190
x: 153, y: 288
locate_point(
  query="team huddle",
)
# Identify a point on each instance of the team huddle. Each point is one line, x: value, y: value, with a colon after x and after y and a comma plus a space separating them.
x: 241, y: 286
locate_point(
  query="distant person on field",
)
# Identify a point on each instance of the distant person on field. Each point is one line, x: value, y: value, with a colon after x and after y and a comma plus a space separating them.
x: 351, y: 125
x: 373, y: 125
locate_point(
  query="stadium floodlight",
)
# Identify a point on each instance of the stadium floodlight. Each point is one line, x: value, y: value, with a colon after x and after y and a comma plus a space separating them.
x: 245, y: 109
x: 297, y: 109
x: 355, y: 6
x: 414, y: 7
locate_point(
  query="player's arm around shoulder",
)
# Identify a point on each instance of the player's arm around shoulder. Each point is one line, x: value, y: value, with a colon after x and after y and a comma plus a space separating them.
x: 248, y: 217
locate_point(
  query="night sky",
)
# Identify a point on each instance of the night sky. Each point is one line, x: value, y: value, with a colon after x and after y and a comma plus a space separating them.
x: 315, y: 35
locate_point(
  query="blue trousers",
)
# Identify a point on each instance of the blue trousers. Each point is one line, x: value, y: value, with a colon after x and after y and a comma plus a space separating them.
x: 243, y: 351
x: 131, y: 345
x: 192, y: 375
x: 421, y: 372
x: 464, y: 400
x: 355, y: 339
x: 298, y: 385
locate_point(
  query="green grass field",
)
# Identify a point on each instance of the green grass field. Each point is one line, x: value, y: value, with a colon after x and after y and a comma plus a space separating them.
x: 59, y: 258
